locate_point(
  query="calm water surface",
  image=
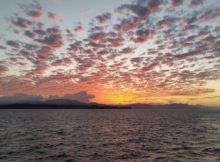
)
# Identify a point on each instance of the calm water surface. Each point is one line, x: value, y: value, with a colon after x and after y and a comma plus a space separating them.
x: 110, y: 135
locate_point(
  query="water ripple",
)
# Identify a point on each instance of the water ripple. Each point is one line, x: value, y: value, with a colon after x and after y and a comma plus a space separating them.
x: 110, y: 135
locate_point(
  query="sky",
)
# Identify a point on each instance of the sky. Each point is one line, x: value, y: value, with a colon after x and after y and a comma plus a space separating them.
x: 111, y: 51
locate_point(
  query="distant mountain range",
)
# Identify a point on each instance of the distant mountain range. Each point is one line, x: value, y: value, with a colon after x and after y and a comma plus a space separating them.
x: 145, y: 106
x: 72, y: 104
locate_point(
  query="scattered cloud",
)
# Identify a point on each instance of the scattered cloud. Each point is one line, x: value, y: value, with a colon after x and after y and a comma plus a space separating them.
x: 12, y: 43
x: 154, y: 5
x: 51, y: 15
x: 78, y: 29
x: 2, y: 47
x: 33, y: 10
x: 104, y: 18
x: 21, y: 22
x: 176, y: 3
x: 3, y: 69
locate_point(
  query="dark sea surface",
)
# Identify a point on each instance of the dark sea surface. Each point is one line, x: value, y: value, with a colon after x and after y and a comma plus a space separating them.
x: 110, y: 135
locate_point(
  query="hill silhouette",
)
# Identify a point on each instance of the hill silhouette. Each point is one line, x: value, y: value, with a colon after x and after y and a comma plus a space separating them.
x: 60, y: 104
x: 72, y: 104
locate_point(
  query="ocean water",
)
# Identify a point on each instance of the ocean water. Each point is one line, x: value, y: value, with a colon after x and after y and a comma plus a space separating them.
x: 110, y: 135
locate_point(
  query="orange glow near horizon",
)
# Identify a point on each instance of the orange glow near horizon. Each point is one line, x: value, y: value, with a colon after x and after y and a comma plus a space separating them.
x: 112, y: 96
x: 122, y: 99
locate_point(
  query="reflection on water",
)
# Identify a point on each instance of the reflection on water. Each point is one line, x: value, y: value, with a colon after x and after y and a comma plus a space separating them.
x: 110, y: 135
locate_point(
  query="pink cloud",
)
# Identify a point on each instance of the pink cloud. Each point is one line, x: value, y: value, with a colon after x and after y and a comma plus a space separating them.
x: 3, y: 69
x: 78, y: 29
x: 176, y: 3
x: 33, y: 10
x: 154, y: 5
x: 21, y: 22
x: 51, y: 15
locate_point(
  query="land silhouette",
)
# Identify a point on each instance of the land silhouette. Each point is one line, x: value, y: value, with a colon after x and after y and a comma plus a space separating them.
x: 72, y: 104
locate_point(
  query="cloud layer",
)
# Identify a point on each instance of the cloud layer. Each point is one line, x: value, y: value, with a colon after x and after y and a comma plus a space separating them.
x: 82, y: 96
x: 145, y: 47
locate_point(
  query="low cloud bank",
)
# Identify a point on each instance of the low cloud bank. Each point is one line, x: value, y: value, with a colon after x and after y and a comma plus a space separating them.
x: 82, y: 96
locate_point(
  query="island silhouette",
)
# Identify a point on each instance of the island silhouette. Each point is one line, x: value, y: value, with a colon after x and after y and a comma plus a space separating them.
x: 73, y: 104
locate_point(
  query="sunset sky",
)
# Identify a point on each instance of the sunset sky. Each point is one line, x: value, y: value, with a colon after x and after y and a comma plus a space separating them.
x: 112, y: 51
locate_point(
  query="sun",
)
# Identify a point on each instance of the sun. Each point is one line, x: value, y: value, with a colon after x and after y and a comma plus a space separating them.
x: 122, y: 99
